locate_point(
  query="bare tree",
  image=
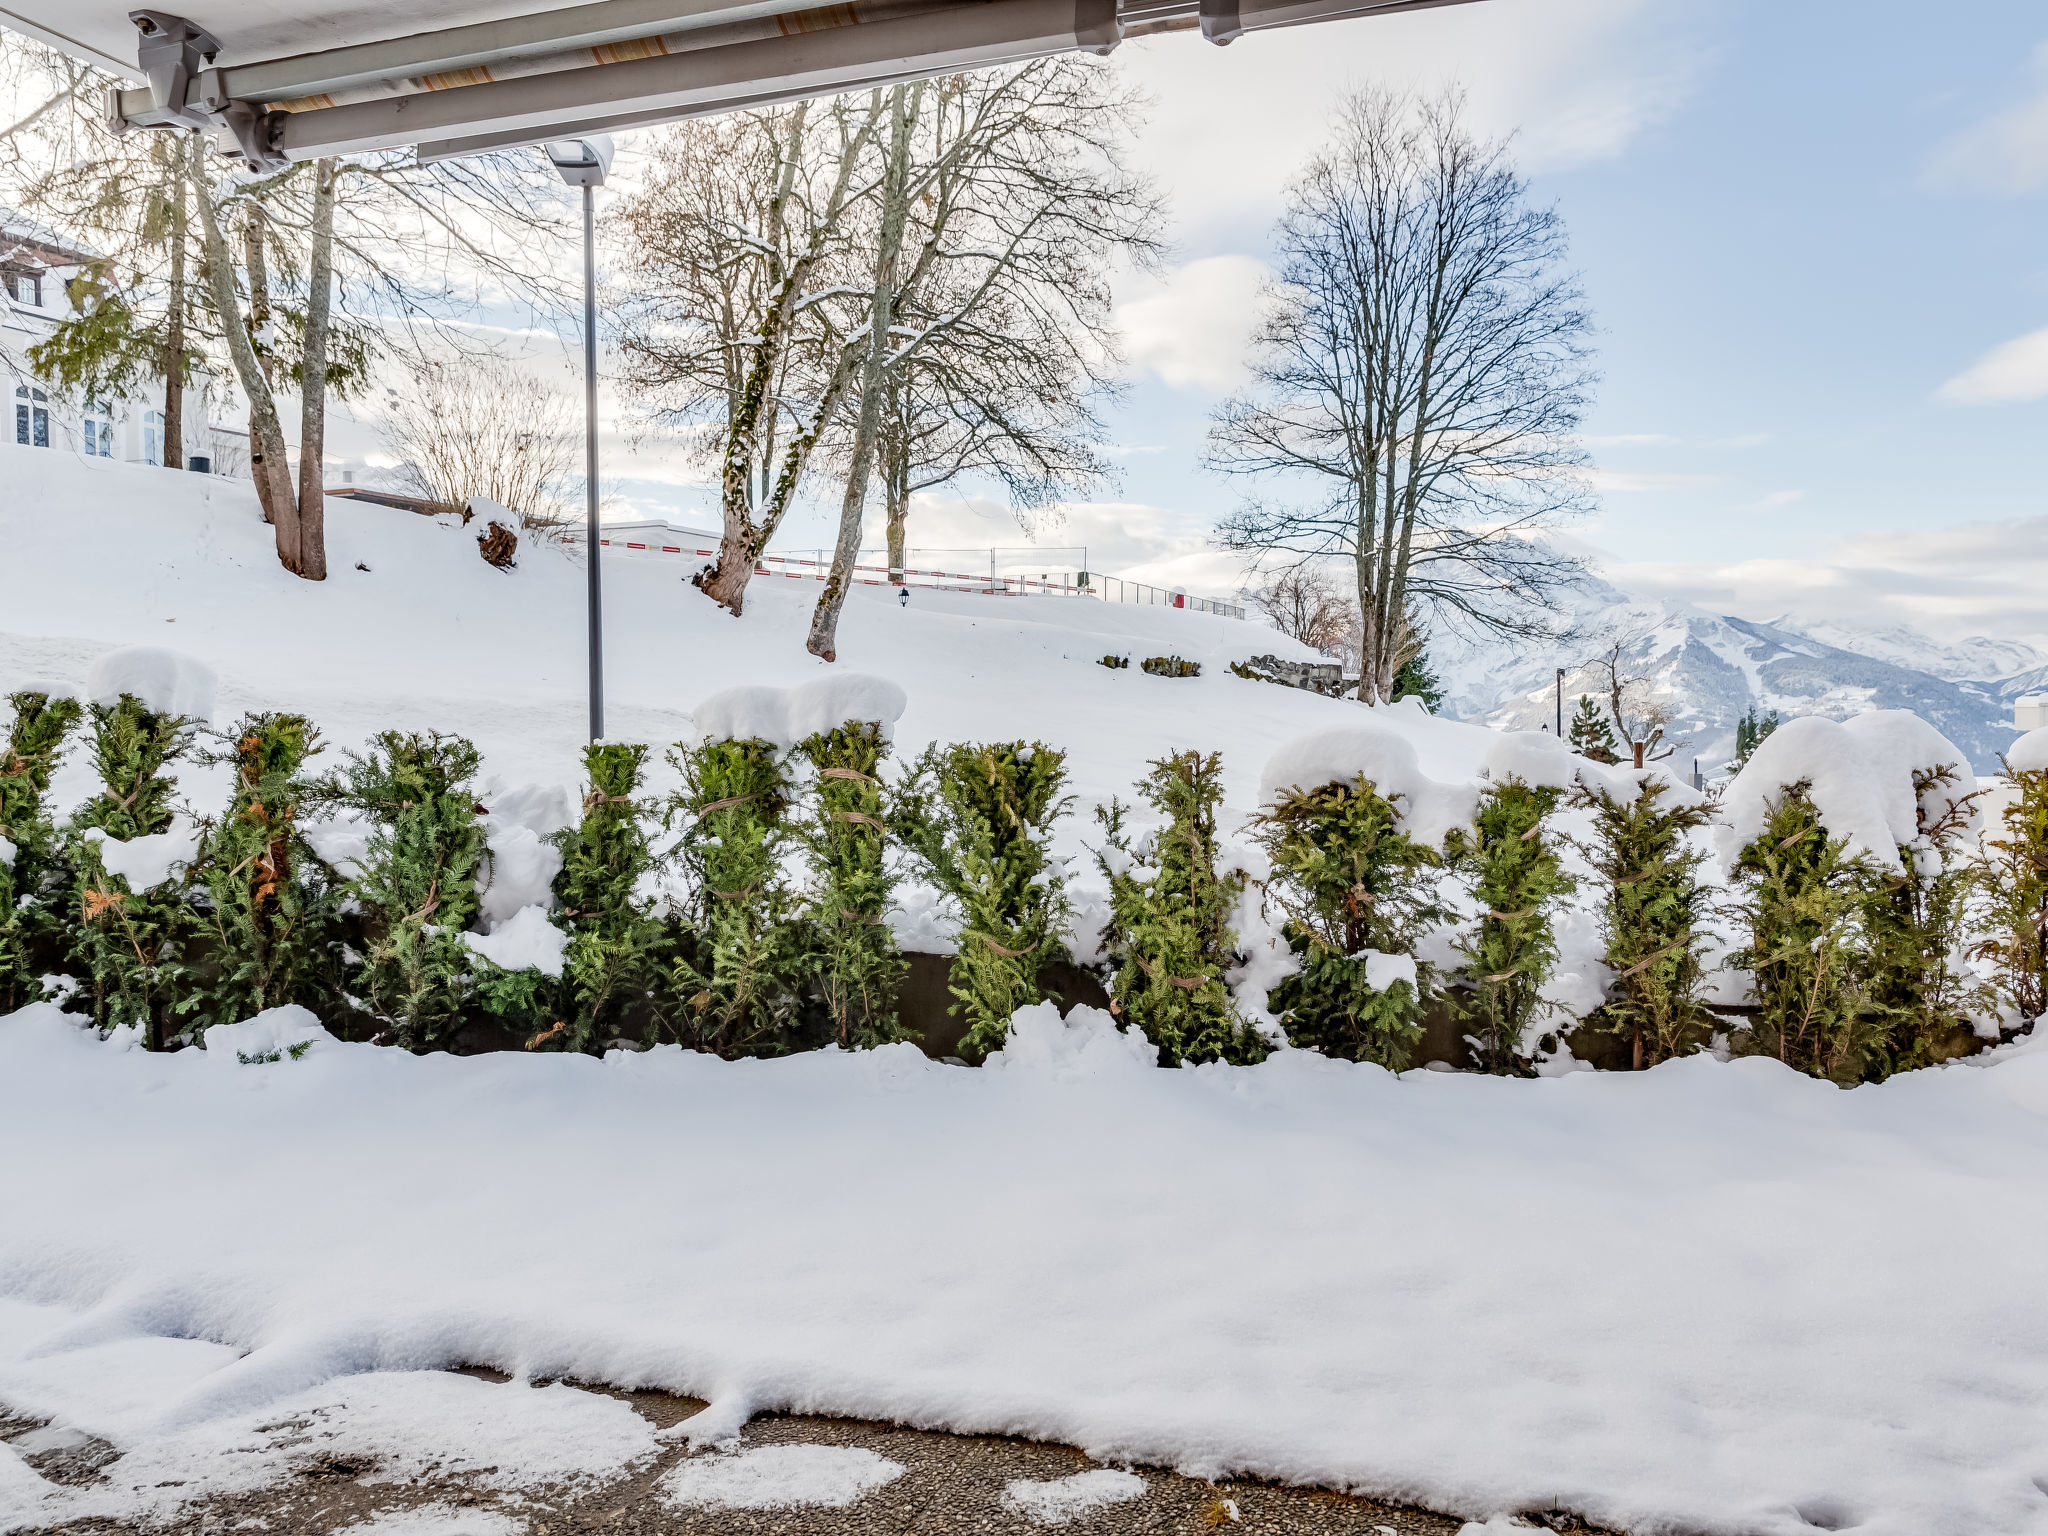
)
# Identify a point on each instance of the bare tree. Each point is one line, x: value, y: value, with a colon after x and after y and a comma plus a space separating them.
x: 1306, y: 603
x: 732, y: 252
x: 1420, y: 368
x: 464, y: 427
x: 1640, y: 717
x: 1001, y: 204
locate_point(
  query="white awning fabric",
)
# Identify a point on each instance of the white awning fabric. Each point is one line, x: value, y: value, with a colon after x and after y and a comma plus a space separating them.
x: 278, y: 80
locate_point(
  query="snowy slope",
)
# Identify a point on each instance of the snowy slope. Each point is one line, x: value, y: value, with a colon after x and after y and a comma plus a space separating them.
x: 101, y: 554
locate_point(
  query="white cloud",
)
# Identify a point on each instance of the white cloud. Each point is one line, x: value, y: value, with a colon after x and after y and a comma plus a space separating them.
x: 1192, y: 327
x: 2006, y: 154
x: 1575, y: 80
x: 2018, y: 370
x: 1960, y: 582
x: 1641, y: 480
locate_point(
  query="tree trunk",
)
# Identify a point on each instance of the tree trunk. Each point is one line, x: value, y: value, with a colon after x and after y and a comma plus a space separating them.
x: 267, y: 462
x: 824, y: 636
x: 254, y: 257
x: 313, y: 387
x: 174, y: 320
x: 896, y: 479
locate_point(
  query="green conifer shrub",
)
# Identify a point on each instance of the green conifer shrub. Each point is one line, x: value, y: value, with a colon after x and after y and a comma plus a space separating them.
x: 1650, y: 919
x: 740, y: 977
x: 1413, y: 679
x: 1169, y: 932
x: 2012, y: 885
x: 980, y: 818
x: 124, y: 937
x: 264, y: 911
x: 1349, y: 881
x: 1915, y: 924
x: 1591, y: 735
x: 613, y: 961
x: 856, y: 962
x: 31, y: 875
x: 415, y: 883
x: 1803, y: 897
x: 1750, y: 732
x: 1518, y: 881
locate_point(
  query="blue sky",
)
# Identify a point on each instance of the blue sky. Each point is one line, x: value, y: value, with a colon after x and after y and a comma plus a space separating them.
x: 1796, y: 222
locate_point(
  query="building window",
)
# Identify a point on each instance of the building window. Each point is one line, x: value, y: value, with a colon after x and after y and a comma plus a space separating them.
x: 31, y: 417
x: 99, y: 432
x: 153, y: 437
x: 26, y: 288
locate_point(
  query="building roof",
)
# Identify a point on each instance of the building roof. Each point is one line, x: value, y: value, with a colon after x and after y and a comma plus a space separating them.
x: 24, y: 242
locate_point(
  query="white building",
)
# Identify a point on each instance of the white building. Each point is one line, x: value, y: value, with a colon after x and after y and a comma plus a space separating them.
x: 35, y: 264
x: 2030, y: 711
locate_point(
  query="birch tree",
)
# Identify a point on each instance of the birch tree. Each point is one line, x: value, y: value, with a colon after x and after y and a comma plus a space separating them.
x: 1002, y: 204
x: 1418, y: 376
x: 731, y: 254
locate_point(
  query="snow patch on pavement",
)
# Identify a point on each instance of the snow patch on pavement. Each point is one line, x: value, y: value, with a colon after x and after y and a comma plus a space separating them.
x: 1068, y: 1498
x: 438, y: 1520
x: 779, y: 1477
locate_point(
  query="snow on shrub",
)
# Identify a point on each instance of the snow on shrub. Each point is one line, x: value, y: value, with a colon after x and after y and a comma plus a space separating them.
x: 980, y: 817
x: 122, y: 934
x: 263, y: 909
x: 741, y: 971
x: 782, y: 717
x: 1518, y: 881
x: 415, y: 881
x: 1169, y: 933
x: 855, y: 961
x: 30, y: 872
x: 164, y: 682
x: 1351, y: 826
x: 1086, y: 1043
x: 2014, y: 881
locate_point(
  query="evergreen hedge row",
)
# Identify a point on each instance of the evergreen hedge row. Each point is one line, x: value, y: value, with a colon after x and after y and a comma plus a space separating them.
x: 748, y: 915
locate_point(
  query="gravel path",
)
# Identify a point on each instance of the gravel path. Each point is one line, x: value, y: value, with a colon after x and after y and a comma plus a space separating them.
x: 948, y: 1485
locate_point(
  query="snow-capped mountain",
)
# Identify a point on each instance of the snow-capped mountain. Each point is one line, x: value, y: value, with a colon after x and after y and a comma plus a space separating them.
x: 1708, y: 669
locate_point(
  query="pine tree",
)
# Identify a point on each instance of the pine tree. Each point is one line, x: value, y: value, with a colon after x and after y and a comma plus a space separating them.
x: 415, y: 883
x: 1650, y: 919
x: 31, y: 877
x: 1169, y: 932
x: 980, y: 818
x: 2012, y: 879
x: 1915, y: 925
x: 1518, y: 881
x: 1351, y: 885
x: 1804, y: 896
x: 1415, y: 680
x: 739, y: 980
x: 857, y: 963
x: 1591, y: 735
x: 123, y: 936
x: 263, y: 930
x: 615, y: 953
x: 1750, y: 732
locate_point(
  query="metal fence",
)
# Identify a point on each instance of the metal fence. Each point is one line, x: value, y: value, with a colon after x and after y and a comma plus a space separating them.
x: 872, y: 569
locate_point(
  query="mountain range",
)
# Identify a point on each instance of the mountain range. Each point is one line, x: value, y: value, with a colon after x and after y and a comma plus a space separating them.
x: 1708, y: 669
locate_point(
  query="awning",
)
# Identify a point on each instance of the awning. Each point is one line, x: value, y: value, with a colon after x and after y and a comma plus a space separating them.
x: 276, y: 80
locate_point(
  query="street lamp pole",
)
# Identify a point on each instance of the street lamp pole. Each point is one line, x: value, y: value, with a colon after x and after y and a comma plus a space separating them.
x: 583, y: 163
x: 1560, y: 697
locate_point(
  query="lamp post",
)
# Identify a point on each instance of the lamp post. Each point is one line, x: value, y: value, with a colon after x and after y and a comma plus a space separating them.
x: 1560, y: 703
x: 583, y: 163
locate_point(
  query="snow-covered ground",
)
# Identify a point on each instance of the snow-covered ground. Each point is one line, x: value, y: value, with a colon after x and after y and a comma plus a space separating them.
x: 1712, y: 1297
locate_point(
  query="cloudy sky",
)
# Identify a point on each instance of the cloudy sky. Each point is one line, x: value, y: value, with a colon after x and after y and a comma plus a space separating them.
x: 1814, y: 234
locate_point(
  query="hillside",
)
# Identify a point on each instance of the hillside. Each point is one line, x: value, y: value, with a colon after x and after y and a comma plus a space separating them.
x: 413, y: 630
x: 1712, y: 668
